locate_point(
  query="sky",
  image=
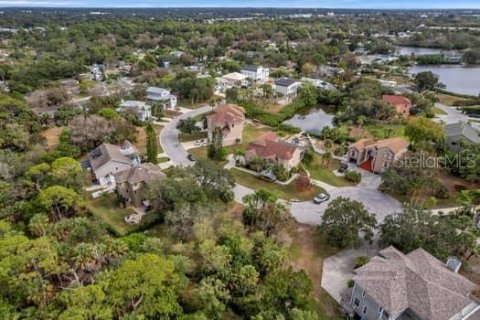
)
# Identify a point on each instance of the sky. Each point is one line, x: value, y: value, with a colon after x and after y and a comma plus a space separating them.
x: 347, y: 4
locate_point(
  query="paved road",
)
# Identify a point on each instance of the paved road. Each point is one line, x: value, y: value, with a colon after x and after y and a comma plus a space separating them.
x: 169, y: 138
x: 306, y: 211
x: 452, y: 114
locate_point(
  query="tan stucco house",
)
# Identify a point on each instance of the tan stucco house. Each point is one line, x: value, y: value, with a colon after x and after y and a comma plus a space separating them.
x: 376, y: 155
x: 273, y: 150
x: 130, y: 183
x: 230, y: 119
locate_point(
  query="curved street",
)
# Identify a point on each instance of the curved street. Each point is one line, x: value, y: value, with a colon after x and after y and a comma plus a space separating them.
x: 304, y: 212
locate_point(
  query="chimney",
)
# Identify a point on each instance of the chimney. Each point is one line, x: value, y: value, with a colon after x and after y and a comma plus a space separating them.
x: 454, y: 264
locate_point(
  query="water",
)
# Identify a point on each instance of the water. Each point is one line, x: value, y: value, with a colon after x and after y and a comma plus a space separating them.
x: 312, y: 122
x: 407, y: 51
x: 457, y: 78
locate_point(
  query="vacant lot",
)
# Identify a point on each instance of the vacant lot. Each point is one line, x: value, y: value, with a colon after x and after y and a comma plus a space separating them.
x: 448, y: 99
x: 287, y: 192
x: 307, y: 252
x: 52, y: 135
x: 322, y: 170
x: 141, y: 142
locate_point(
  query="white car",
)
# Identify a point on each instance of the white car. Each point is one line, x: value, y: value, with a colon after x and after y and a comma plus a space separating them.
x: 322, y: 197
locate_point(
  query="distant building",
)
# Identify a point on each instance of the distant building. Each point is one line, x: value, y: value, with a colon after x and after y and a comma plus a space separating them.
x: 460, y: 133
x: 256, y: 73
x: 402, y: 104
x: 108, y: 159
x: 273, y: 150
x: 163, y: 96
x: 230, y: 119
x: 413, y: 286
x: 142, y: 110
x: 320, y: 84
x: 131, y: 183
x: 376, y: 156
x: 287, y: 87
x: 232, y: 80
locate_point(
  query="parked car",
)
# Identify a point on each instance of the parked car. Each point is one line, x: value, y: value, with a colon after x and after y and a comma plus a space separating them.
x: 343, y: 168
x: 322, y: 197
x: 191, y: 157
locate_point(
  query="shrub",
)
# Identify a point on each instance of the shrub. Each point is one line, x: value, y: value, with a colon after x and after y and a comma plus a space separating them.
x: 350, y: 283
x: 353, y: 176
x: 360, y: 261
x: 442, y: 192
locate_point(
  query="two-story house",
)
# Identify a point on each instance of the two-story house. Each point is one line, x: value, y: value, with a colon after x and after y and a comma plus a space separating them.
x: 459, y: 133
x: 162, y: 96
x: 108, y: 159
x: 142, y: 110
x: 413, y: 286
x: 131, y: 183
x: 376, y: 156
x: 287, y: 87
x: 230, y: 119
x: 256, y: 73
x: 272, y: 149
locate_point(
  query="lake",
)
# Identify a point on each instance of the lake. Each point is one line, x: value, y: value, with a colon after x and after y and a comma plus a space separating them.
x: 312, y: 122
x: 407, y: 51
x: 457, y: 78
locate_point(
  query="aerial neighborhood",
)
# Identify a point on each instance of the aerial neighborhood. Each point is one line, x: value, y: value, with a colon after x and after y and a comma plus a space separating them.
x: 239, y: 163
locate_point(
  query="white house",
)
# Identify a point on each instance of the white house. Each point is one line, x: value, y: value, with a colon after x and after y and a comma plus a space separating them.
x: 231, y: 80
x: 155, y: 94
x: 320, y: 84
x: 142, y: 110
x: 256, y: 73
x: 287, y: 87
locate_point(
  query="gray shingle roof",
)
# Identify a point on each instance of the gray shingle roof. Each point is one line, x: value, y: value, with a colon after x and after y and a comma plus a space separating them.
x: 250, y: 67
x: 285, y: 82
x: 145, y: 172
x: 107, y: 152
x: 462, y: 129
x: 416, y: 281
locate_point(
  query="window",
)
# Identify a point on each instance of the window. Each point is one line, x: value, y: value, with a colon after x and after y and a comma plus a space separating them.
x: 364, y: 309
x: 356, y: 302
x: 363, y: 294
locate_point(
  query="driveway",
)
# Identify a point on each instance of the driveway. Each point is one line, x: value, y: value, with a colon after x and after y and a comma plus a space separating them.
x: 375, y: 201
x: 452, y: 114
x: 169, y: 138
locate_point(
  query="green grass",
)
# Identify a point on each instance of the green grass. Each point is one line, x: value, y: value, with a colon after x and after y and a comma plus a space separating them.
x: 107, y: 209
x: 185, y: 137
x: 384, y: 131
x: 163, y: 160
x: 323, y: 172
x: 287, y: 192
x: 438, y: 111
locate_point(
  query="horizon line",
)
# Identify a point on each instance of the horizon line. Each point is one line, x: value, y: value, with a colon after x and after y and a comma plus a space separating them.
x: 236, y: 7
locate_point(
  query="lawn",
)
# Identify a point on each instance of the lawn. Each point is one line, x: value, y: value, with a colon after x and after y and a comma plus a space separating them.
x: 287, y: 192
x: 141, y: 143
x: 448, y: 99
x: 384, y: 131
x: 307, y: 252
x: 438, y: 111
x: 196, y: 135
x: 323, y: 172
x: 107, y: 209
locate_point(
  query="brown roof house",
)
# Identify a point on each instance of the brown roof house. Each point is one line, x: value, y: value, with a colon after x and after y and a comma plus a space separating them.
x: 273, y: 150
x: 415, y: 286
x: 376, y: 156
x: 230, y: 119
x: 400, y: 103
x: 131, y: 182
x: 108, y: 159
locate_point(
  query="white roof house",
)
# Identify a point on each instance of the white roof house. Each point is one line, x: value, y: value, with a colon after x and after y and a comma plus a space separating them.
x: 156, y: 94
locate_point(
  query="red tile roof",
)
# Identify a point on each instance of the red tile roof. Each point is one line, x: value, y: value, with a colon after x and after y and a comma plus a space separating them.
x: 401, y: 103
x: 227, y: 114
x: 269, y: 147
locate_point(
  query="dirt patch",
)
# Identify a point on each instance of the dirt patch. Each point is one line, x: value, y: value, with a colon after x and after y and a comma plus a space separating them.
x: 454, y: 183
x: 307, y: 252
x: 141, y: 142
x: 52, y: 135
